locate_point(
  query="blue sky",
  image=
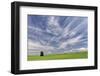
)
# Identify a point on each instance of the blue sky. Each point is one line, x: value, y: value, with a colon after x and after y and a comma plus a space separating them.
x: 57, y: 33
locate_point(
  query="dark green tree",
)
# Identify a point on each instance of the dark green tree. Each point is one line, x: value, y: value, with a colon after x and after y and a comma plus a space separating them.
x: 41, y: 53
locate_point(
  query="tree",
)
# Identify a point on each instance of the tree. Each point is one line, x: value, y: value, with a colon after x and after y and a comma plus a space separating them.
x: 41, y: 53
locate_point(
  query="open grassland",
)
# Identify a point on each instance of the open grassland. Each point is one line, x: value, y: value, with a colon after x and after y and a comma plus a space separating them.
x: 73, y: 55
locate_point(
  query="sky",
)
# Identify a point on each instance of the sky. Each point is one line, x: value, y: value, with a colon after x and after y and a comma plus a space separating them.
x: 57, y: 33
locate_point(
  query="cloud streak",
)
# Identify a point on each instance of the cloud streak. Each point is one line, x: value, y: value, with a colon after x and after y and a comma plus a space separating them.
x: 57, y: 33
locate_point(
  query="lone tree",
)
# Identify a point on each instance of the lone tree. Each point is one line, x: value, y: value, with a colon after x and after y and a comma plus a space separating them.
x: 41, y: 53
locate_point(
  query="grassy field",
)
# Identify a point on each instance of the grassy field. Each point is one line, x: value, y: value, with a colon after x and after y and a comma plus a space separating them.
x: 76, y: 55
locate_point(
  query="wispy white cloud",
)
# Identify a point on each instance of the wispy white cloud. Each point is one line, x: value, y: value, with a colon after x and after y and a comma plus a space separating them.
x: 38, y: 46
x: 53, y: 25
x: 70, y: 33
x: 71, y: 42
x: 55, y: 37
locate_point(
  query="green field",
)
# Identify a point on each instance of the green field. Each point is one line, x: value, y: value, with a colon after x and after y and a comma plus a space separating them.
x: 76, y: 55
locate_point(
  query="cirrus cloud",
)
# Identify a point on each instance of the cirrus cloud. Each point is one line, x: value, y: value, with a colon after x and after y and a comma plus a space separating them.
x: 57, y: 33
